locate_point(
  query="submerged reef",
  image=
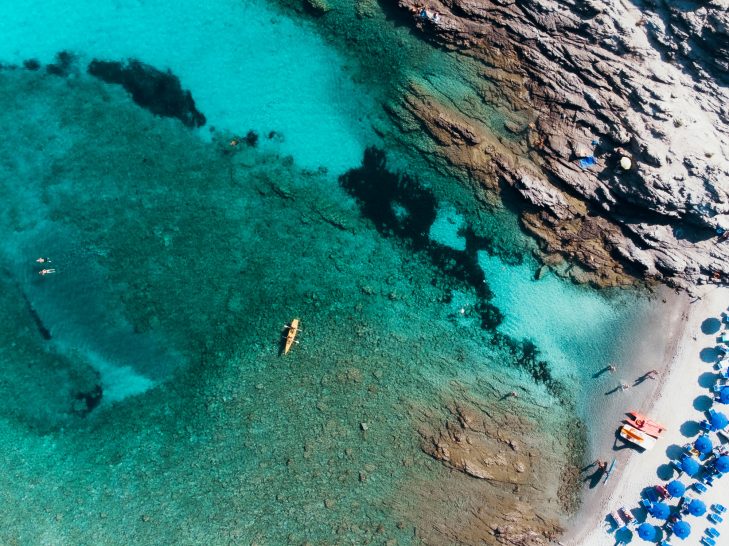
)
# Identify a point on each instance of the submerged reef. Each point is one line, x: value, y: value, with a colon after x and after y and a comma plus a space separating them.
x: 361, y: 434
x: 157, y: 91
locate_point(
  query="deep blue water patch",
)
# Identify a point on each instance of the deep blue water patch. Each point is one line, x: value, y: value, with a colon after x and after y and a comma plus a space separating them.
x: 159, y: 92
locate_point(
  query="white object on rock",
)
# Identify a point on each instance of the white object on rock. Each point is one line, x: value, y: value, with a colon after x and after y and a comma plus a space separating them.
x: 625, y: 163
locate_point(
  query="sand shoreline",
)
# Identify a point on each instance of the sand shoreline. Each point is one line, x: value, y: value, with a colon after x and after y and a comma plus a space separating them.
x: 677, y: 387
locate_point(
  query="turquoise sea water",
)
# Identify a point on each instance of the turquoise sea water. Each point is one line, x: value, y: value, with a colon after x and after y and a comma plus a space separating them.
x: 143, y: 397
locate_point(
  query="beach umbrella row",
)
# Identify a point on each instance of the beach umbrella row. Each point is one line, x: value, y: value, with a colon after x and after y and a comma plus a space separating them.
x: 697, y: 507
x: 646, y: 531
x: 724, y: 395
x: 661, y: 510
x: 703, y: 444
x: 682, y: 529
x: 719, y: 421
x: 722, y: 464
x: 690, y: 466
x: 676, y: 488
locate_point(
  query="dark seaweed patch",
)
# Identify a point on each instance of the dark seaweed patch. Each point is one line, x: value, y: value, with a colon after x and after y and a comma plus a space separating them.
x: 42, y: 330
x: 159, y: 92
x: 400, y: 206
x: 31, y: 64
x: 62, y: 66
x: 526, y: 355
x: 251, y: 138
x: 87, y: 401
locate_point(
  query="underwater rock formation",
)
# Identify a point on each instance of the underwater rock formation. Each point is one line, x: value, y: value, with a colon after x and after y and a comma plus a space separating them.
x: 157, y: 91
x: 497, y: 457
x: 598, y: 80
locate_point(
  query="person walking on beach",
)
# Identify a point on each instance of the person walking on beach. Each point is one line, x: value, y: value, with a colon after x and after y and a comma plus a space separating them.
x: 612, y: 368
x: 624, y: 386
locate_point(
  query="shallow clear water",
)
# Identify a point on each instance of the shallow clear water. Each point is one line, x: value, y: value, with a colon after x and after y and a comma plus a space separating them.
x: 179, y: 259
x: 242, y: 61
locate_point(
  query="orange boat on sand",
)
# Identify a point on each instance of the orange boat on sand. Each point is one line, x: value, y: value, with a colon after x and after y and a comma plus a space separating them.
x: 641, y: 422
x: 637, y: 437
x: 292, y: 330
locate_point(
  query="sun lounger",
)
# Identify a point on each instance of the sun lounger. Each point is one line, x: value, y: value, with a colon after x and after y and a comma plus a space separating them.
x: 712, y: 532
x: 708, y: 541
x: 645, y: 503
x: 716, y: 519
x: 699, y: 487
x: 719, y: 508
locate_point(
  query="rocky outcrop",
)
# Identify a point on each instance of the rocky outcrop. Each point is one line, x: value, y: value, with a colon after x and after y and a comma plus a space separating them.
x: 593, y: 79
x: 495, y: 455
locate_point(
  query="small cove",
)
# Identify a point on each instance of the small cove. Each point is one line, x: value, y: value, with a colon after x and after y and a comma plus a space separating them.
x: 209, y: 256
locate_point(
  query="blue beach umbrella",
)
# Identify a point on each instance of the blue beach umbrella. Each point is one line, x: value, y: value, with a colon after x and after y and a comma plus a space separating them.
x: 703, y: 444
x: 676, y: 488
x: 697, y: 507
x: 661, y: 510
x: 722, y: 463
x: 719, y: 421
x: 681, y: 529
x: 724, y: 395
x: 690, y: 466
x: 646, y: 531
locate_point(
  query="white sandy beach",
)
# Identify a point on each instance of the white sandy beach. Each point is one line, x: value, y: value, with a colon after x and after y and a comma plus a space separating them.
x: 678, y: 388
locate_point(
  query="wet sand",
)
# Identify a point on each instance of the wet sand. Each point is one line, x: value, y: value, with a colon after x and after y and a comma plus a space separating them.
x: 670, y: 399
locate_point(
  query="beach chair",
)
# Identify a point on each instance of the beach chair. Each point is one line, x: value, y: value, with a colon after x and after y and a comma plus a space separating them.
x: 708, y: 541
x: 719, y: 508
x: 645, y: 503
x: 712, y: 532
x: 716, y: 519
x: 699, y: 487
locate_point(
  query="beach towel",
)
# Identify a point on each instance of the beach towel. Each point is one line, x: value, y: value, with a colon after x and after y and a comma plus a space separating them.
x: 588, y: 161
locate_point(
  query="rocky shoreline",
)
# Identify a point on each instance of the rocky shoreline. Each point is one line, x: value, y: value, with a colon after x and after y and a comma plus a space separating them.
x: 592, y: 80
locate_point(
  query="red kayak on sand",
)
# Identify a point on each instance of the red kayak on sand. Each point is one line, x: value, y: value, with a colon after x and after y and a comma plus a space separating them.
x: 641, y: 422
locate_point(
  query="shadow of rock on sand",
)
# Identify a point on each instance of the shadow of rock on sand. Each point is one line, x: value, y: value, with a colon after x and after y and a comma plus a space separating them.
x: 665, y: 472
x: 707, y: 380
x: 711, y: 326
x: 709, y: 355
x: 674, y: 451
x: 703, y: 403
x: 690, y: 428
